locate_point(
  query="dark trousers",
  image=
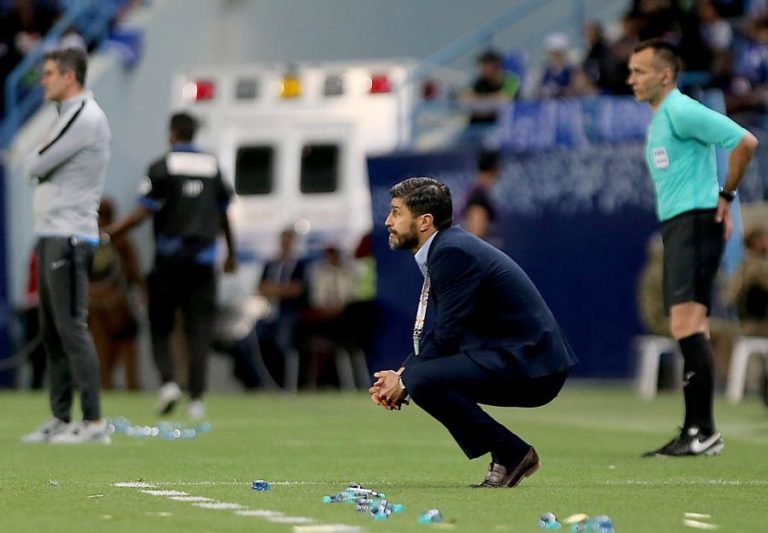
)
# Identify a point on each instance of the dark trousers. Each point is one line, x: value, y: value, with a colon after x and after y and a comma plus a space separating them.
x: 450, y: 389
x: 63, y: 265
x: 190, y: 287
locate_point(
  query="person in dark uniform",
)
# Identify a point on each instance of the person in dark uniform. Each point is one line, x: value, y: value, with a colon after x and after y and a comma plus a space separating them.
x: 185, y: 194
x: 493, y: 339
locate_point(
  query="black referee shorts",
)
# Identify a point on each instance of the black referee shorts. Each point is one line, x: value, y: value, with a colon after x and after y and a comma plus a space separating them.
x: 693, y: 246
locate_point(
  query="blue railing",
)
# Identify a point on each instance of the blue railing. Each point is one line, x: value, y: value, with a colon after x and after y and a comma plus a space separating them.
x: 23, y: 95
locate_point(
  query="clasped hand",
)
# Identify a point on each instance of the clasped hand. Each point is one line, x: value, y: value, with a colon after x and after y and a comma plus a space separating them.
x: 386, y: 391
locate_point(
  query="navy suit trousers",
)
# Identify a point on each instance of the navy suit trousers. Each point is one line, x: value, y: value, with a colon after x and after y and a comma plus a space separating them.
x: 450, y: 388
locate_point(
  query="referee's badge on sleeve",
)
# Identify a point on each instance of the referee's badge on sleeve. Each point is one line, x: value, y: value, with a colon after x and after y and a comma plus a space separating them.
x: 660, y: 158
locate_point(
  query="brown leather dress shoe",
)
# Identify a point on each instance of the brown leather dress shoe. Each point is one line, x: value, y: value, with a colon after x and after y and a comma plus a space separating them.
x: 499, y: 476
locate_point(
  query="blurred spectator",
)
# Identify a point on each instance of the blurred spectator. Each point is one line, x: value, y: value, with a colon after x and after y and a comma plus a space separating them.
x: 332, y: 286
x: 284, y: 284
x: 235, y: 336
x: 114, y: 276
x: 600, y: 65
x: 557, y: 78
x: 622, y: 48
x: 72, y: 39
x: 21, y: 29
x: 747, y: 93
x: 361, y: 312
x: 715, y: 30
x: 747, y: 291
x: 479, y: 213
x: 491, y: 89
x: 32, y: 340
x: 649, y: 294
x: 657, y: 18
x: 717, y: 35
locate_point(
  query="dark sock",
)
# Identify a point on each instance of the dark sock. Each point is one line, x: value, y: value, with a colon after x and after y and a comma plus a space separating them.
x: 508, y: 459
x: 698, y: 382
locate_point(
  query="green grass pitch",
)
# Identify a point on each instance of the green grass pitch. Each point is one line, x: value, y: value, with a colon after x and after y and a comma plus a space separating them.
x: 311, y: 445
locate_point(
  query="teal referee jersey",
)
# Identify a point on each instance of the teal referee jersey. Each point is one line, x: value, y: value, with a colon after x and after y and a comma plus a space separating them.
x: 680, y: 153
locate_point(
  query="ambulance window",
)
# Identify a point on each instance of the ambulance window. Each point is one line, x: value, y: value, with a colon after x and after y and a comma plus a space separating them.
x: 254, y: 170
x: 319, y: 168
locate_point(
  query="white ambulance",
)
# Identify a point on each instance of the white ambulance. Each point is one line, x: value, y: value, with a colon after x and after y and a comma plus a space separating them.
x: 293, y: 141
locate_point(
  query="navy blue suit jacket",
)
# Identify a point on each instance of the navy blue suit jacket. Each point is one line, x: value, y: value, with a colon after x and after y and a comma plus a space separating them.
x: 484, y: 305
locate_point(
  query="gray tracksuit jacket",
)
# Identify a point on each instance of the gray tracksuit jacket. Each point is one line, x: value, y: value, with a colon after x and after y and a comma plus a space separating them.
x: 69, y: 168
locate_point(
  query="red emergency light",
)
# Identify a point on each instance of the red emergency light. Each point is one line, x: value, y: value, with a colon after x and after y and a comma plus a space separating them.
x: 380, y: 84
x: 199, y: 90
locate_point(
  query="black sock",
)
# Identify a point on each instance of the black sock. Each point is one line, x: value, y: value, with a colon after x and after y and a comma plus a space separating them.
x: 698, y: 382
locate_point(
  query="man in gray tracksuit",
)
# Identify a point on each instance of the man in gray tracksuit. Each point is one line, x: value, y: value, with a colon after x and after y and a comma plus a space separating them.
x: 68, y: 170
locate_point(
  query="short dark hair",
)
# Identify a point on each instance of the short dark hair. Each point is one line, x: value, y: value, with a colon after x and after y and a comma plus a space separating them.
x: 184, y: 126
x: 70, y: 60
x: 489, y: 56
x: 488, y: 161
x: 664, y: 50
x: 423, y: 196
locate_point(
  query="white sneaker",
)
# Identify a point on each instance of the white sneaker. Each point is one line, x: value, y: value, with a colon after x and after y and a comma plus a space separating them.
x: 170, y: 393
x: 46, y: 431
x: 84, y: 432
x: 196, y: 410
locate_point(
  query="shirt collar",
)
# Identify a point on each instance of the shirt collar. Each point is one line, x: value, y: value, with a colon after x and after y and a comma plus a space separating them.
x: 69, y: 103
x: 184, y: 147
x: 423, y: 253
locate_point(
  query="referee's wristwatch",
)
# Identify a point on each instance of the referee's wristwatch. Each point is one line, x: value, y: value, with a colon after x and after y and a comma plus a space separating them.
x: 728, y: 196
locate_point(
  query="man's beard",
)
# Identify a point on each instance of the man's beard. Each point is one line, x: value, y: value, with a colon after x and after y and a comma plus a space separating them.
x: 404, y: 241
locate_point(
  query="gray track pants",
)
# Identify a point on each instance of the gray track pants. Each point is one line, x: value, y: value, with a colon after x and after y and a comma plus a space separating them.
x: 62, y: 275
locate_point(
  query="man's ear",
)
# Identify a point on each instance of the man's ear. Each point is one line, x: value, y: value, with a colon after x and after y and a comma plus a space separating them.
x: 427, y: 220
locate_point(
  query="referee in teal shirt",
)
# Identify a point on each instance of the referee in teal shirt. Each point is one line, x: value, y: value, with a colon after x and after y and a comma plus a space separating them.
x: 695, y: 223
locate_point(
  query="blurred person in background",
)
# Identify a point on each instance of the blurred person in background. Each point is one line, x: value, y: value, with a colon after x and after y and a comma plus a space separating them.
x: 695, y: 223
x: 114, y: 277
x: 186, y: 197
x: 68, y: 169
x: 284, y: 284
x: 332, y: 286
x: 493, y: 339
x: 600, y: 63
x: 31, y: 312
x: 489, y: 91
x: 747, y: 291
x: 557, y: 78
x: 479, y: 213
x: 21, y: 28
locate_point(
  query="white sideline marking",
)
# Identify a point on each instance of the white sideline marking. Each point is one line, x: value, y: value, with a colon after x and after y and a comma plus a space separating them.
x: 291, y: 520
x: 699, y: 525
x: 733, y: 482
x: 258, y: 512
x: 219, y: 505
x: 208, y: 503
x: 327, y: 528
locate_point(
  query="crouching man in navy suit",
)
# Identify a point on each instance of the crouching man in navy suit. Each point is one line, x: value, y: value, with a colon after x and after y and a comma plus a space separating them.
x: 493, y: 341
